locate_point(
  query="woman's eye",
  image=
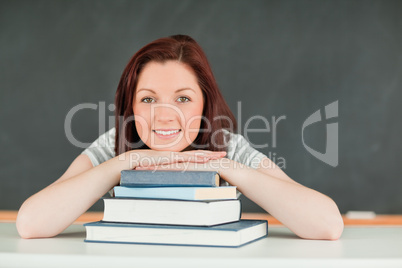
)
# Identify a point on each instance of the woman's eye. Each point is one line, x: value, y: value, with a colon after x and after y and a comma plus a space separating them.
x: 147, y: 100
x: 183, y: 99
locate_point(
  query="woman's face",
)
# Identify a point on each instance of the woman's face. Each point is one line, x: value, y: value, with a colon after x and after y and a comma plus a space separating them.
x: 168, y: 106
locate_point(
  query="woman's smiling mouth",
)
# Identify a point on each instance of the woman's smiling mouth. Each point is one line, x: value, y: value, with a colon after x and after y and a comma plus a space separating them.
x: 166, y: 133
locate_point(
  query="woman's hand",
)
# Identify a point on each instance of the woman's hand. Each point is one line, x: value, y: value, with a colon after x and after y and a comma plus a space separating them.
x: 218, y: 164
x: 150, y: 159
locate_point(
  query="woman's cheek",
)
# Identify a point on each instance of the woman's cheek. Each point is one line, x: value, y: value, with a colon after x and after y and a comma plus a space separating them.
x: 143, y: 125
x: 193, y: 122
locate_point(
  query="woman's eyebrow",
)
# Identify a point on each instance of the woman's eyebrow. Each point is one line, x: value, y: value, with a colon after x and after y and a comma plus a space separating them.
x: 186, y: 88
x: 179, y: 90
x: 142, y: 89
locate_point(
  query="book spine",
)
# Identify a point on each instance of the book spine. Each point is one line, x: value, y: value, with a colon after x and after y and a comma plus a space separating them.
x: 146, y: 178
x: 155, y: 192
x: 179, y: 193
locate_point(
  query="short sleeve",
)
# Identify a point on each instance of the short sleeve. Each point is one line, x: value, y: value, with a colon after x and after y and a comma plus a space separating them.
x: 240, y: 150
x: 102, y: 149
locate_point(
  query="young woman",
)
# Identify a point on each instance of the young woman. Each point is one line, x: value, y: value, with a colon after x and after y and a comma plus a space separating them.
x: 171, y: 115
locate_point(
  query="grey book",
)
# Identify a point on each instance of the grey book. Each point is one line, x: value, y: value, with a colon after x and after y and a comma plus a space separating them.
x: 149, y: 178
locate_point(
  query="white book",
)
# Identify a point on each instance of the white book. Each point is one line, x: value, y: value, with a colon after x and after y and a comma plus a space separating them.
x: 173, y: 212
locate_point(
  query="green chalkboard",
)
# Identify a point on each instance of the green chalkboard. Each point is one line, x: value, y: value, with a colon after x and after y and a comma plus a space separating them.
x: 311, y: 68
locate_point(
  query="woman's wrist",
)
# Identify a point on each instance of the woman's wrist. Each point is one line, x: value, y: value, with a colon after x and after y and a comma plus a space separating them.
x: 225, y: 167
x: 231, y: 171
x: 129, y: 160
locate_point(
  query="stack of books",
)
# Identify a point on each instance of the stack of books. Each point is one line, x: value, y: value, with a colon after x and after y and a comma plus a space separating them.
x: 174, y: 208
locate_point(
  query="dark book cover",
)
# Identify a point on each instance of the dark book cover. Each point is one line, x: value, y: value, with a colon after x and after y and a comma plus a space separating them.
x: 149, y: 178
x: 234, y: 234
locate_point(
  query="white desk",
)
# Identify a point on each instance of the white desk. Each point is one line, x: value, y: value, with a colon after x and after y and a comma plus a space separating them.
x: 358, y: 247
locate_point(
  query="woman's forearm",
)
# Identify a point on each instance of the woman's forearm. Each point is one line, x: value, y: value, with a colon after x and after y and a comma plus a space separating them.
x: 50, y: 211
x: 308, y: 213
x: 53, y: 209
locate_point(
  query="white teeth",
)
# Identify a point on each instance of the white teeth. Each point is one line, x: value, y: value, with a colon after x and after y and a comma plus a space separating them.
x: 166, y: 132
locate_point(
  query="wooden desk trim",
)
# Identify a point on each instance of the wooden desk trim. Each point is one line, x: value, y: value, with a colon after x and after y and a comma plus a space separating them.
x: 380, y: 220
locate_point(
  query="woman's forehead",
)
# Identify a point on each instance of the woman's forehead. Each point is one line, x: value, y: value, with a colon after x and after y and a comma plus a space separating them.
x: 170, y: 75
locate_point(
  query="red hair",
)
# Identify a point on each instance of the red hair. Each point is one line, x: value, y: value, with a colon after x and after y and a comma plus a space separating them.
x: 184, y: 49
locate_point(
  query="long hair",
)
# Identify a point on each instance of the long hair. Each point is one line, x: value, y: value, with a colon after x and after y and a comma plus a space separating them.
x: 184, y: 49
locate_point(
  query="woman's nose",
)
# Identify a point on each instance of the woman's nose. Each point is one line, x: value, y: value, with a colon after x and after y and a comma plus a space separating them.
x: 165, y: 112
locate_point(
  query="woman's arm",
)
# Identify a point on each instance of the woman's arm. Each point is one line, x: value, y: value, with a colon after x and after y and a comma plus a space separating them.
x: 50, y: 211
x: 306, y: 212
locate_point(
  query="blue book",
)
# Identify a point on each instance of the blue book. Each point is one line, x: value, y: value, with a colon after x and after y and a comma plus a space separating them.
x: 148, y: 178
x: 179, y: 193
x: 226, y: 235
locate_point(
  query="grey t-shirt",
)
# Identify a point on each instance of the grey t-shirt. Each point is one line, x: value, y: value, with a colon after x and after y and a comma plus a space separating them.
x: 238, y: 149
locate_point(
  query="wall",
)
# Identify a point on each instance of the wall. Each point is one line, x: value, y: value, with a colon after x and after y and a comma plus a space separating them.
x: 273, y: 59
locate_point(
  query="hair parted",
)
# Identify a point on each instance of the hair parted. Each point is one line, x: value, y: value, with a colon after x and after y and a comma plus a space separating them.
x: 184, y: 49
